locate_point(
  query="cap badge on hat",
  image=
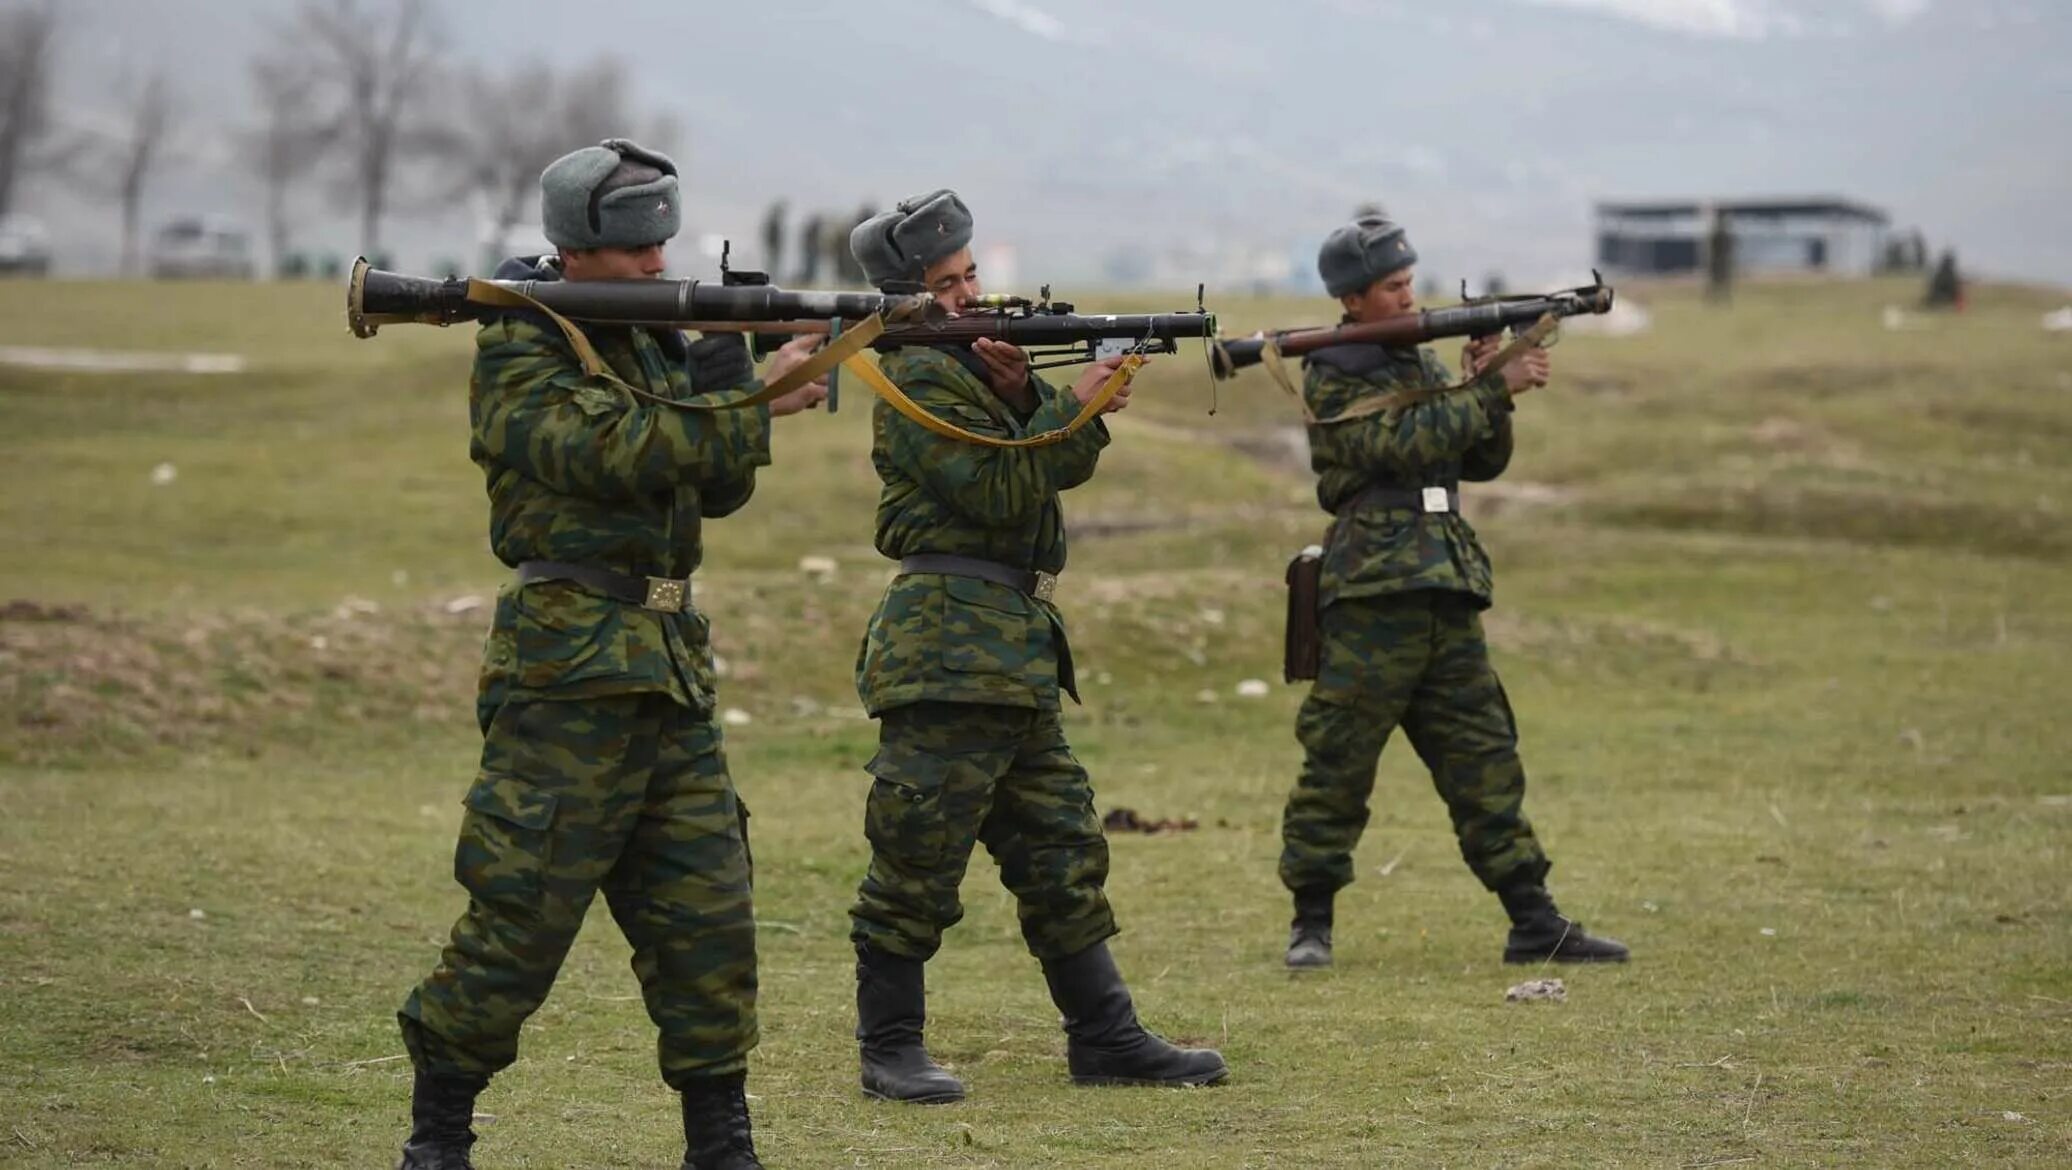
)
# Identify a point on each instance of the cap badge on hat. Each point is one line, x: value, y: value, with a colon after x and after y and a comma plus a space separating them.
x: 662, y: 207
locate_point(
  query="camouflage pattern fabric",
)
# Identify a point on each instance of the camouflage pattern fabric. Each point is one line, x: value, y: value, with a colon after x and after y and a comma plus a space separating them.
x: 628, y: 795
x: 958, y: 639
x: 1376, y: 549
x: 601, y: 768
x: 580, y: 472
x: 1418, y: 660
x: 951, y: 775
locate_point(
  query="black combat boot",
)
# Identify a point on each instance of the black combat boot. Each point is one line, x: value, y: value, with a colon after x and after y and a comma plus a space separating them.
x: 716, y: 1132
x: 442, y: 1114
x: 891, y: 1008
x: 1539, y: 933
x: 1105, y: 1045
x: 1309, y: 938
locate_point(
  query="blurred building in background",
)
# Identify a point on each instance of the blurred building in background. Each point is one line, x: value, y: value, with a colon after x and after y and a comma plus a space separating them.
x: 1671, y: 237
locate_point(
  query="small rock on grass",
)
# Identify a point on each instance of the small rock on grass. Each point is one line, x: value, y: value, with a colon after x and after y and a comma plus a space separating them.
x: 1552, y: 990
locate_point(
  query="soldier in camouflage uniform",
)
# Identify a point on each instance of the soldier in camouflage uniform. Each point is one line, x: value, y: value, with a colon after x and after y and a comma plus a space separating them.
x: 962, y: 665
x: 602, y: 767
x: 1404, y: 581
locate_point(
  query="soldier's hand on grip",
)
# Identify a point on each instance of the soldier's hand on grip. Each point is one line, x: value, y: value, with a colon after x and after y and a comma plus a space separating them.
x: 1477, y: 352
x: 720, y: 362
x: 1527, y: 370
x: 1096, y: 376
x: 1007, y: 367
x: 786, y: 359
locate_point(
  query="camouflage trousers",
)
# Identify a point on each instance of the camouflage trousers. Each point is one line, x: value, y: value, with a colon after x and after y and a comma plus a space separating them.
x: 951, y: 775
x: 1419, y: 660
x: 628, y: 794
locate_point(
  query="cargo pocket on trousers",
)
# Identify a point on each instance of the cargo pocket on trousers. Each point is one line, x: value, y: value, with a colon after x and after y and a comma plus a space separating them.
x: 504, y: 842
x: 904, y: 816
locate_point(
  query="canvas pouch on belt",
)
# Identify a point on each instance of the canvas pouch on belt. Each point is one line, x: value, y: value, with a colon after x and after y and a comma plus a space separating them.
x: 1304, y: 644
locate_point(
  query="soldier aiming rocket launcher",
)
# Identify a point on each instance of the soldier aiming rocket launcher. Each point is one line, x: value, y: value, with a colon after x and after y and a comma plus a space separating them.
x: 1531, y: 319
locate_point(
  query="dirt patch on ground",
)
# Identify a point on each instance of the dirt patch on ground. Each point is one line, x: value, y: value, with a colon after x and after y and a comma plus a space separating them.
x: 74, y: 680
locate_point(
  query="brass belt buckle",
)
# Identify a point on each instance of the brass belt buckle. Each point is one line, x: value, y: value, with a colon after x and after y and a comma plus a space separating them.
x: 665, y: 594
x: 1435, y: 500
x: 1046, y: 585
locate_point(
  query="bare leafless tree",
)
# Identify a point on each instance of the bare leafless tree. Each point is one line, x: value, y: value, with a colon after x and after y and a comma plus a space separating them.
x: 376, y: 72
x: 518, y: 122
x: 137, y: 154
x: 285, y: 145
x: 28, y: 43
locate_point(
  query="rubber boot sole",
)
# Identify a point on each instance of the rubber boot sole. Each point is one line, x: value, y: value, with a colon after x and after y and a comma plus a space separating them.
x: 1522, y: 958
x: 945, y: 1097
x: 1214, y: 1078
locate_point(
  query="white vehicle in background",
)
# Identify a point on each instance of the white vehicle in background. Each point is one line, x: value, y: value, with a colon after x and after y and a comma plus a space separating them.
x: 201, y: 247
x: 24, y: 247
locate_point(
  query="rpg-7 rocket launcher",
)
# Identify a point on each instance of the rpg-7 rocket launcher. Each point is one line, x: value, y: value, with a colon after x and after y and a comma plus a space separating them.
x: 1531, y: 318
x: 375, y: 298
x: 745, y: 302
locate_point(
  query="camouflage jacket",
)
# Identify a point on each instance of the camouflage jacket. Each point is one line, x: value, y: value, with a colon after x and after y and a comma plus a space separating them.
x: 960, y: 639
x: 580, y: 471
x: 1375, y: 548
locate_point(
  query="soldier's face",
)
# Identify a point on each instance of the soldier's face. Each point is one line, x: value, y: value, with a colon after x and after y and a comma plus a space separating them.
x: 643, y: 263
x: 1391, y: 296
x: 953, y: 280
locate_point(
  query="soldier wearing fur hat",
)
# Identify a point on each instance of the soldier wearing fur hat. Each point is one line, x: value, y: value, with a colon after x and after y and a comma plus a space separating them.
x: 602, y: 766
x: 1404, y: 581
x: 963, y: 665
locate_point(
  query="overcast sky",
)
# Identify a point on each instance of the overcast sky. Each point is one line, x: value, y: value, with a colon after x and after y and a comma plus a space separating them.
x: 1075, y: 127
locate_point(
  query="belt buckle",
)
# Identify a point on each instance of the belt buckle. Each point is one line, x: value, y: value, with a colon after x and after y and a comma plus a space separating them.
x: 665, y: 594
x: 1435, y: 500
x: 1046, y: 586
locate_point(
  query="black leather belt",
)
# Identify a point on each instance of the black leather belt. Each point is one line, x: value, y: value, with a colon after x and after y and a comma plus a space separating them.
x: 664, y: 594
x: 1038, y: 585
x: 1436, y: 498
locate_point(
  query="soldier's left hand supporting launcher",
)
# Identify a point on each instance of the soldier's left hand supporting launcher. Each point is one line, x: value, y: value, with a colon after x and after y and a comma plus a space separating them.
x: 1479, y: 318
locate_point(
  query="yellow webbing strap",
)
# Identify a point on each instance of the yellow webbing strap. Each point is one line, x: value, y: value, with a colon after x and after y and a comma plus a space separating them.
x: 852, y: 341
x: 884, y: 388
x: 1270, y: 357
x: 1396, y: 400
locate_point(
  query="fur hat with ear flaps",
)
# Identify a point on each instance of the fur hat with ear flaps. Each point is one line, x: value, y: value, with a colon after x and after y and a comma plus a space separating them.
x: 900, y: 244
x: 617, y: 194
x: 1363, y: 252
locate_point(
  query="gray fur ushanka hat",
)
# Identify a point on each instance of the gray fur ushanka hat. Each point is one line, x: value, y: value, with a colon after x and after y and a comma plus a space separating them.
x: 617, y: 194
x: 900, y: 244
x: 1363, y: 252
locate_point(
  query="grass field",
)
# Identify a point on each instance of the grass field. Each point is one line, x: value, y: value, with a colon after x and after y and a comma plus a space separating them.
x: 1784, y: 606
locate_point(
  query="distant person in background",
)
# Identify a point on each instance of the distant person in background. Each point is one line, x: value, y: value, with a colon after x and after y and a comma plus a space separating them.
x: 1404, y: 582
x: 809, y: 250
x: 834, y: 242
x: 853, y: 270
x: 1945, y: 287
x: 602, y: 765
x: 773, y: 240
x: 1719, y: 259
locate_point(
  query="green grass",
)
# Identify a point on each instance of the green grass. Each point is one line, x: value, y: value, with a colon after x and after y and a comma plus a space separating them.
x: 1783, y: 605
